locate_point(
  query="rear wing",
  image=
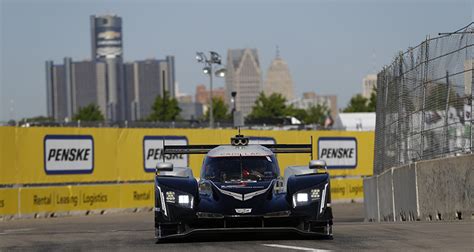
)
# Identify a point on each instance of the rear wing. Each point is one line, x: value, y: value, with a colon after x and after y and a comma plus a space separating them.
x: 204, y: 149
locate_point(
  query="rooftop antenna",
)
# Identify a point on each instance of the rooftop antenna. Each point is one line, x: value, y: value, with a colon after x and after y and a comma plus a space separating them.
x: 277, y: 52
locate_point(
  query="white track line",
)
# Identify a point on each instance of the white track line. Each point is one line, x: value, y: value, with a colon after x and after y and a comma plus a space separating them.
x: 18, y: 230
x: 295, y: 248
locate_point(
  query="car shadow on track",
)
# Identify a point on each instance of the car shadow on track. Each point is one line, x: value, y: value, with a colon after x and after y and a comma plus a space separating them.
x: 247, y: 236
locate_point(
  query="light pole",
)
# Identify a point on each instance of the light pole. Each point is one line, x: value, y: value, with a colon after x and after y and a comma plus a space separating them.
x: 214, y: 58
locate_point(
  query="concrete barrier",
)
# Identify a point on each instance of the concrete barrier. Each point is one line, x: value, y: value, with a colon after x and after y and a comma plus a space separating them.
x: 404, y: 193
x: 439, y: 189
x: 385, y: 193
x: 371, y: 199
x: 446, y: 188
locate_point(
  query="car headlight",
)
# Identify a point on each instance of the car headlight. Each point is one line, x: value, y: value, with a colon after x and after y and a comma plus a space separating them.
x: 306, y: 197
x: 301, y: 197
x: 180, y: 199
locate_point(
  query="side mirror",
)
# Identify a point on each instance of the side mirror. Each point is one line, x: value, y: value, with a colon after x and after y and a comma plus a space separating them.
x: 317, y: 164
x: 163, y: 167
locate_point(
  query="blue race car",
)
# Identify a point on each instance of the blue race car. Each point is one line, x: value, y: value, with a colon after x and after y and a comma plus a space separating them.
x: 240, y: 189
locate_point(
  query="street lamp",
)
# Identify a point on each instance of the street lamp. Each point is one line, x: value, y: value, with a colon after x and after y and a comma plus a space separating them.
x: 213, y: 59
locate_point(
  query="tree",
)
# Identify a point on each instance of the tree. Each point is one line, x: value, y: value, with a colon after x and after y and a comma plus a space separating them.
x: 372, y: 100
x: 358, y: 103
x: 437, y: 96
x: 268, y: 108
x: 38, y: 119
x: 316, y: 114
x: 219, y: 109
x: 298, y: 113
x: 164, y: 109
x: 89, y: 113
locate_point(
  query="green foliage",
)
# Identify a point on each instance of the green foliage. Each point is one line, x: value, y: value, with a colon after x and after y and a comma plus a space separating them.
x: 89, y: 113
x: 164, y: 109
x: 268, y: 108
x: 437, y: 95
x: 271, y: 109
x: 372, y: 101
x: 38, y: 119
x: 219, y: 109
x: 316, y: 114
x: 358, y: 103
x: 298, y: 113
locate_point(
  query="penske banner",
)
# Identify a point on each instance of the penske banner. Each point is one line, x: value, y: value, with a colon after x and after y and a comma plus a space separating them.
x: 153, y: 151
x: 68, y: 154
x: 338, y: 152
x: 62, y: 155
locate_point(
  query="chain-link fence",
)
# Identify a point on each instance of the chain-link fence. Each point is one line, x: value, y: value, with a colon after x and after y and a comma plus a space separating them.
x: 424, y: 102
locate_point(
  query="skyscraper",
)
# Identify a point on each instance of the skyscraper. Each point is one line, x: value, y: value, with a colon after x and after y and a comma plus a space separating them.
x: 203, y: 95
x: 106, y: 46
x: 368, y: 84
x: 74, y: 85
x: 279, y: 79
x: 56, y: 91
x: 106, y: 37
x: 243, y: 76
x: 145, y: 80
x: 122, y: 91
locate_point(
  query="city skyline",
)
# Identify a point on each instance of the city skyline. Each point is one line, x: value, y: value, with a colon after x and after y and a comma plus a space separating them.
x: 329, y: 46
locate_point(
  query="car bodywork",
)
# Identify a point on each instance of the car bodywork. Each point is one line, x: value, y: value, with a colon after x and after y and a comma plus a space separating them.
x: 240, y: 189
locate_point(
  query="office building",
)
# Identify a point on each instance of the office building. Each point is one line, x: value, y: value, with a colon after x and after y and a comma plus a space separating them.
x: 145, y: 80
x: 244, y: 77
x: 74, y: 85
x: 369, y: 82
x: 107, y: 46
x: 310, y: 99
x: 279, y: 80
x: 106, y: 37
x: 203, y: 95
x: 122, y: 91
x: 191, y: 110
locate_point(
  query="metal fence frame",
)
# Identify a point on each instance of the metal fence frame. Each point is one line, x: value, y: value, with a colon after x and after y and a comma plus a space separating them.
x: 424, y: 102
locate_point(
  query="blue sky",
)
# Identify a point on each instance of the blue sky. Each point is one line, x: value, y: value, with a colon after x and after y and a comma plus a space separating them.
x: 329, y: 45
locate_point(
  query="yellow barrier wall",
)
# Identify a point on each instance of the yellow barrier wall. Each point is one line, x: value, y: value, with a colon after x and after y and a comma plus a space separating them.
x: 68, y: 198
x: 8, y: 201
x: 8, y: 156
x: 347, y: 189
x: 119, y: 157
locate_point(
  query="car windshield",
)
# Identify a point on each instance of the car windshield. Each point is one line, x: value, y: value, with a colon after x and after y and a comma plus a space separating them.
x: 236, y: 169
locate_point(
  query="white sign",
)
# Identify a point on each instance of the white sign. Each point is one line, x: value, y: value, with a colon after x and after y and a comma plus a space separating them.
x: 65, y: 154
x: 153, y: 151
x: 262, y: 140
x: 338, y: 152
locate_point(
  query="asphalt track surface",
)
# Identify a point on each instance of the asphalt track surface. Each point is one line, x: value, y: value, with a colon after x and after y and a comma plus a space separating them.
x: 134, y: 232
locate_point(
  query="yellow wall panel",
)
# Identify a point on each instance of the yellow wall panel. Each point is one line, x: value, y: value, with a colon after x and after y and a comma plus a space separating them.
x: 31, y: 155
x: 137, y: 195
x: 8, y: 201
x: 8, y: 165
x: 68, y: 198
x: 347, y: 189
